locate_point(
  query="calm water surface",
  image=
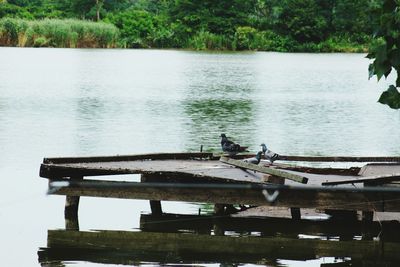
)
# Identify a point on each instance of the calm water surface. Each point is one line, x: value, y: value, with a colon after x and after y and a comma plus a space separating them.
x: 72, y: 102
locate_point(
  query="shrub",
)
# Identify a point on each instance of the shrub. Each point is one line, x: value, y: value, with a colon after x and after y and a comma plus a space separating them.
x: 205, y: 40
x: 40, y: 42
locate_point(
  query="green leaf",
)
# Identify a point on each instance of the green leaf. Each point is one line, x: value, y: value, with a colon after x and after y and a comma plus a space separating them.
x: 381, y: 53
x: 382, y: 68
x: 371, y: 71
x: 391, y: 97
x: 394, y: 56
x: 398, y: 79
x: 370, y: 55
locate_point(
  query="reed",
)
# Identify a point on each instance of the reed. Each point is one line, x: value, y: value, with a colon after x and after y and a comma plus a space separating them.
x: 205, y: 40
x: 57, y: 33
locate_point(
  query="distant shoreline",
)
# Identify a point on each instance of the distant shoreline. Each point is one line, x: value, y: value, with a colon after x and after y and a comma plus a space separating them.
x: 74, y: 33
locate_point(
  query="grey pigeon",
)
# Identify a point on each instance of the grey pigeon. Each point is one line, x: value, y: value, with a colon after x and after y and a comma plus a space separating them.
x: 254, y: 160
x: 230, y: 147
x: 268, y: 154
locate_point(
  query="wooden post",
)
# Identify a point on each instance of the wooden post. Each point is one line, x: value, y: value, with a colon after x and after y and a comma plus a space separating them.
x: 72, y: 224
x: 295, y: 212
x: 219, y: 209
x: 71, y: 209
x: 155, y: 205
x: 367, y: 216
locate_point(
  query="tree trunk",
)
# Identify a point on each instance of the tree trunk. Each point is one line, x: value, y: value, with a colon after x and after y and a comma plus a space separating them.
x: 97, y: 10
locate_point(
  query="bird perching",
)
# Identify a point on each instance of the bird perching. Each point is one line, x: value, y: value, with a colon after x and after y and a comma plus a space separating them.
x: 230, y: 147
x: 254, y: 160
x: 268, y: 154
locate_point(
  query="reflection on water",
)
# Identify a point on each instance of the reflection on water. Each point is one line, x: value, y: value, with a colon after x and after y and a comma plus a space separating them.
x: 219, y: 98
x: 211, y: 117
x: 190, y: 239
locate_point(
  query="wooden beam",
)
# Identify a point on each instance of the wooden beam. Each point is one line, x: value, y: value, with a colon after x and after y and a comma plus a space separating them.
x: 379, y: 179
x: 367, y: 199
x: 266, y: 170
x: 352, y: 171
x: 155, y: 156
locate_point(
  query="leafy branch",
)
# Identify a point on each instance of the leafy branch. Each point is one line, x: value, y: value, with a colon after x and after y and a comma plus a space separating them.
x: 386, y: 50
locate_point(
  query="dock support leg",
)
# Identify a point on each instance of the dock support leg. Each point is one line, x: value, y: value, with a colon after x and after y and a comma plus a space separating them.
x: 155, y: 206
x: 71, y: 209
x: 295, y: 212
x: 219, y: 209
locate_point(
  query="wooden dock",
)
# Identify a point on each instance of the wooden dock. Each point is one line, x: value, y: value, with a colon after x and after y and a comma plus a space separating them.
x: 208, y: 178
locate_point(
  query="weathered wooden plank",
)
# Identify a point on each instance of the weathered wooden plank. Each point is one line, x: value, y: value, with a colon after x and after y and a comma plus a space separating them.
x: 186, y: 248
x: 366, y: 199
x: 210, y: 173
x: 338, y: 159
x: 254, y: 167
x: 378, y: 179
x: 327, y: 171
x: 154, y: 156
x: 54, y: 171
x: 374, y: 169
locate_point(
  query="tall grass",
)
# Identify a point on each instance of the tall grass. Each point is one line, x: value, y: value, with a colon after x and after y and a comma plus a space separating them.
x: 57, y: 33
x: 205, y: 40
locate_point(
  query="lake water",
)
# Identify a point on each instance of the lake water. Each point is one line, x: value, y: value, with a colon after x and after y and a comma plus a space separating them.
x: 78, y: 102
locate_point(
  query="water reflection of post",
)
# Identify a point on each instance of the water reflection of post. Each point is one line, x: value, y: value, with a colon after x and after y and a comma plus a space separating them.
x: 71, y: 209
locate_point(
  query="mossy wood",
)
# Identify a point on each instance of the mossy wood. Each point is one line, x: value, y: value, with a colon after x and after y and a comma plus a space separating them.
x: 266, y: 170
x: 251, y: 194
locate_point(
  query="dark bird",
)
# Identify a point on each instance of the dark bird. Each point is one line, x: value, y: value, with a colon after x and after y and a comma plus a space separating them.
x: 268, y: 154
x: 230, y: 147
x: 254, y: 160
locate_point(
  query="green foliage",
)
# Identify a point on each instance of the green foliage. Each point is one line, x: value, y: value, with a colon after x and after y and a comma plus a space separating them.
x: 385, y: 50
x: 57, y: 33
x: 219, y: 17
x: 40, y: 42
x: 302, y: 20
x: 205, y: 40
x: 245, y: 37
x: 135, y: 27
x: 391, y: 97
x: 268, y: 25
x: 13, y: 11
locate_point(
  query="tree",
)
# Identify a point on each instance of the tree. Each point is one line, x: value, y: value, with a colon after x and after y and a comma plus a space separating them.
x: 94, y: 9
x: 220, y: 17
x: 303, y: 21
x: 385, y: 50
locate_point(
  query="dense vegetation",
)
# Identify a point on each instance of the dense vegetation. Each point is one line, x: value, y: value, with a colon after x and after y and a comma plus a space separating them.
x: 272, y: 25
